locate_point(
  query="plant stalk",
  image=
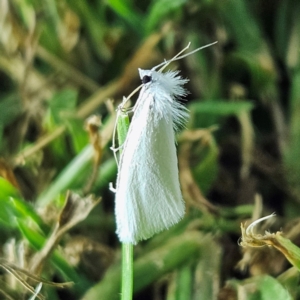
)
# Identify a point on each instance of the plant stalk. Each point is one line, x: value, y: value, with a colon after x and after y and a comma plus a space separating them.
x: 127, y: 248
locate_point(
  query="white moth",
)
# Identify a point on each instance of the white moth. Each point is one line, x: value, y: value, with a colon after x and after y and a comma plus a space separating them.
x: 148, y: 196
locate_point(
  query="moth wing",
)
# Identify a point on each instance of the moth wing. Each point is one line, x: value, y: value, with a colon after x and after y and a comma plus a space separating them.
x: 148, y: 196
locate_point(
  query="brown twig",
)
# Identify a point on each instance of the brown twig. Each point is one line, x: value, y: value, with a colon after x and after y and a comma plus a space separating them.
x: 92, y: 127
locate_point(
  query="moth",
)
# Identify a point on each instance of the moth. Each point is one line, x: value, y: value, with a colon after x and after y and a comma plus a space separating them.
x: 148, y: 197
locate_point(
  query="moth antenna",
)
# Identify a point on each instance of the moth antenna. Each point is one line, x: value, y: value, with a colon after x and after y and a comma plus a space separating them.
x: 114, y: 138
x: 177, y: 57
x: 167, y: 62
x: 120, y: 110
x: 125, y: 99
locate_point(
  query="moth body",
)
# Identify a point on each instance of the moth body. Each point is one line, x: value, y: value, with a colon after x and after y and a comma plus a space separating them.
x: 148, y: 195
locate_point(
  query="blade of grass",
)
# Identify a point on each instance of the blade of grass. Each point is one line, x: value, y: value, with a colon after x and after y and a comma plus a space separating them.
x: 74, y: 169
x: 128, y: 13
x: 184, y: 283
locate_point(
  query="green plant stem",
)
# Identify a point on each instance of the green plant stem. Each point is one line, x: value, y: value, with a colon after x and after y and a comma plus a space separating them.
x: 151, y: 266
x: 127, y: 271
x: 127, y: 248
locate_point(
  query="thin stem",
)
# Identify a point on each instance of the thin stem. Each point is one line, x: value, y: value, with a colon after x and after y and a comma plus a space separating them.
x: 127, y: 248
x: 127, y: 271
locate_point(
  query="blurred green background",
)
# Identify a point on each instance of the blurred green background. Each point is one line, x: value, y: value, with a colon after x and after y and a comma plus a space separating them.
x: 63, y: 61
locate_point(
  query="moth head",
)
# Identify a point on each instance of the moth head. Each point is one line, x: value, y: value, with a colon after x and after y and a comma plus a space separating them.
x: 146, y: 76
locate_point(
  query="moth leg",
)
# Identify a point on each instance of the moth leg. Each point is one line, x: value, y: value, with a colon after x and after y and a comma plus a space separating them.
x: 111, y: 187
x: 113, y: 149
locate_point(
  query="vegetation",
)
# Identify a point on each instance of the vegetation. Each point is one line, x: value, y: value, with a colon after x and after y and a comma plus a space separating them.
x: 64, y: 68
